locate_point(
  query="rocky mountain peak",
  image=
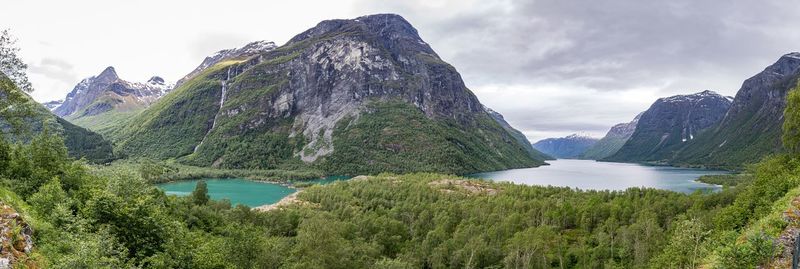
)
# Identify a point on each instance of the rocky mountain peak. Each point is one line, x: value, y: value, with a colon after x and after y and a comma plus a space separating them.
x: 671, y: 122
x: 156, y: 80
x: 391, y: 30
x: 108, y: 74
x: 109, y: 84
x: 251, y: 49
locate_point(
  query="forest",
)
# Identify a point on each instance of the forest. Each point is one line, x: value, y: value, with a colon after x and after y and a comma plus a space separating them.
x: 94, y: 217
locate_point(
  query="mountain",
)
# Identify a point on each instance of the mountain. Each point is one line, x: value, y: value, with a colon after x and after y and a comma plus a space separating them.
x: 34, y: 118
x: 103, y: 101
x: 519, y: 136
x: 670, y: 124
x: 364, y: 95
x: 249, y: 50
x: 612, y: 141
x: 568, y: 147
x: 752, y: 127
x: 52, y: 105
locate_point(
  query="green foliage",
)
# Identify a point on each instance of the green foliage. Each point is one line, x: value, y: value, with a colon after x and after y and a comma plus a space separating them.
x: 168, y: 171
x: 729, y: 180
x: 749, y: 254
x: 388, y: 137
x: 791, y: 122
x: 22, y: 119
x: 10, y: 63
x: 200, y: 193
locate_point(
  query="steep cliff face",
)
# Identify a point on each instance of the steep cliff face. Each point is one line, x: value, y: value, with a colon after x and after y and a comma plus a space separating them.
x: 34, y: 118
x: 669, y: 124
x: 568, y: 147
x: 752, y: 127
x: 332, y: 82
x: 612, y: 141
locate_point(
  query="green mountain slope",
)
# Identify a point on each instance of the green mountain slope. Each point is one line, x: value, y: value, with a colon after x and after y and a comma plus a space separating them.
x: 81, y: 143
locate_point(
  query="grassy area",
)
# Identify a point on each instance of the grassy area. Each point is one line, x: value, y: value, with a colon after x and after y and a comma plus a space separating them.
x: 167, y: 171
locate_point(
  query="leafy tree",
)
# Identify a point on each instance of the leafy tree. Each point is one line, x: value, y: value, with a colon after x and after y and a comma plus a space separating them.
x: 791, y: 122
x: 10, y: 63
x: 200, y: 193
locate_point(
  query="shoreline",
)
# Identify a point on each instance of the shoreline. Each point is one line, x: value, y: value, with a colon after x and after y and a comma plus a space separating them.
x: 288, y: 200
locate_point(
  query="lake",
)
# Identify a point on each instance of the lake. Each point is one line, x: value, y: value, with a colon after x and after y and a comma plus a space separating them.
x: 240, y: 191
x: 582, y: 174
x: 593, y: 175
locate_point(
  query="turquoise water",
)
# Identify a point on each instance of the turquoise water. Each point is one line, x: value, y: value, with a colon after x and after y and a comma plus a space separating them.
x: 593, y: 175
x: 240, y: 191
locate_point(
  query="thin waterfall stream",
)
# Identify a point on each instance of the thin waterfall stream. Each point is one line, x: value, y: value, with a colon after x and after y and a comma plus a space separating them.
x: 216, y: 116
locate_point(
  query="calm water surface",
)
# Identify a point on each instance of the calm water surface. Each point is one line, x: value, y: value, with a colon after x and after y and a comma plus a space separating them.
x: 582, y: 174
x: 240, y: 191
x: 593, y: 175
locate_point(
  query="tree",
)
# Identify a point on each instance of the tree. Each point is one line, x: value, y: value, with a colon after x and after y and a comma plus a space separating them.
x: 10, y: 64
x: 791, y: 123
x: 200, y: 193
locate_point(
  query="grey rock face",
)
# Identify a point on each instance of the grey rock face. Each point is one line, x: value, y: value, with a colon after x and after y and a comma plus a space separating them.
x: 670, y: 123
x: 339, y: 65
x: 106, y: 91
x: 52, y: 105
x: 624, y: 130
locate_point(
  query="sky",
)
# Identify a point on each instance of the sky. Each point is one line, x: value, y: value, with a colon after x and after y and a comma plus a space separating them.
x: 551, y: 67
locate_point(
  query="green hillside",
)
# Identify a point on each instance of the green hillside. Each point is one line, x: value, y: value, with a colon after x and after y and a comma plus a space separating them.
x: 35, y: 119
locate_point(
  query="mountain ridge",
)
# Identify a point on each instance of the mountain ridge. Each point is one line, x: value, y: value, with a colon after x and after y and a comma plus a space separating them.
x: 568, y: 147
x: 665, y: 127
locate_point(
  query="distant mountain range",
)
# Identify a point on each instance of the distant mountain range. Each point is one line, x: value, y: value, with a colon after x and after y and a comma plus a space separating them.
x: 612, y: 141
x: 568, y: 147
x: 710, y: 130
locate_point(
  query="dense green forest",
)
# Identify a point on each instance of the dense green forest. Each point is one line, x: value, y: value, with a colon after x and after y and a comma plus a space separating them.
x: 95, y: 218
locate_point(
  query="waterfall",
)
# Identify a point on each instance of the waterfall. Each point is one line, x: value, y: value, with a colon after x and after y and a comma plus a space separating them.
x: 221, y: 102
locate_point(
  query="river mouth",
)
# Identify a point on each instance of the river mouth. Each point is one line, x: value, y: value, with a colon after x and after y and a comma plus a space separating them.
x: 594, y: 175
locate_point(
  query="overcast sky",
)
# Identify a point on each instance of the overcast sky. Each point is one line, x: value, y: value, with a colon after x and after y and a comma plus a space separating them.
x: 552, y: 67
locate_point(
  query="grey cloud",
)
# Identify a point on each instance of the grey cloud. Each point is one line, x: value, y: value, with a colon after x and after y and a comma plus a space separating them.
x: 55, y: 69
x: 209, y: 43
x: 592, y: 47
